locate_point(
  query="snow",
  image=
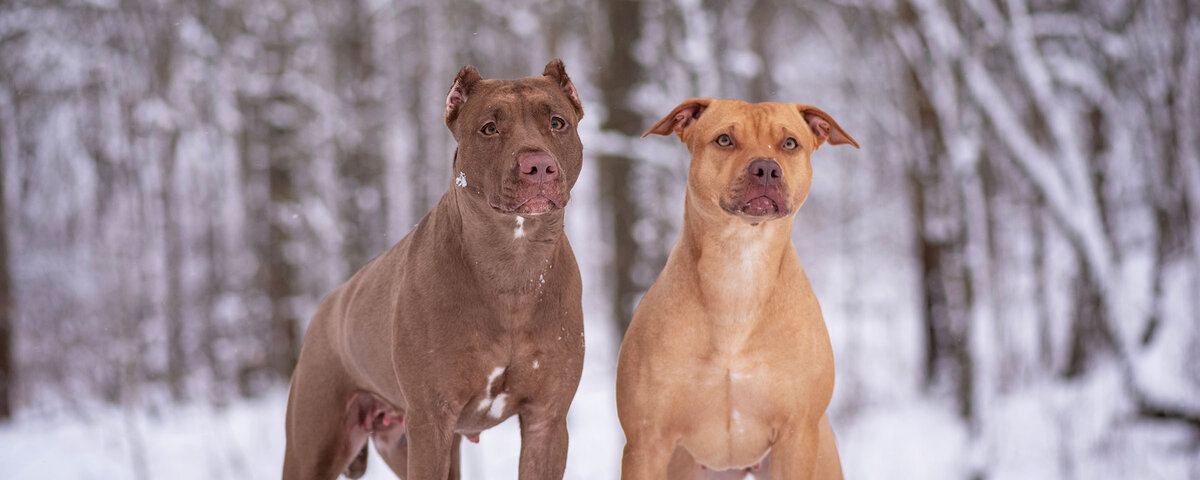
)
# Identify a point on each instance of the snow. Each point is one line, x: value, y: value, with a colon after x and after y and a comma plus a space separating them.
x: 909, y: 440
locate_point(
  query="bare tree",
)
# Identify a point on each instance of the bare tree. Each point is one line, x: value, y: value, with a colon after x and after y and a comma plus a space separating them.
x: 360, y: 162
x: 619, y: 76
x: 7, y: 308
x: 994, y: 86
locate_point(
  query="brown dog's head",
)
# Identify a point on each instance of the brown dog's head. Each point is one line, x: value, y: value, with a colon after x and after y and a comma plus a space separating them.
x: 518, y: 149
x: 751, y: 160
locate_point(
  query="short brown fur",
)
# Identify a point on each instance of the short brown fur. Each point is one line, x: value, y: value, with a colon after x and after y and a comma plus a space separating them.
x: 417, y: 348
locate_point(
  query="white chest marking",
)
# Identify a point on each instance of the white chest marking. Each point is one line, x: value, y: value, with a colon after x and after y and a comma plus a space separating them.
x: 496, y: 405
x: 461, y: 180
x: 536, y: 365
x: 520, y: 230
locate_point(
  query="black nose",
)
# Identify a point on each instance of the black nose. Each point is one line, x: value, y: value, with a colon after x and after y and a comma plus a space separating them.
x: 765, y: 172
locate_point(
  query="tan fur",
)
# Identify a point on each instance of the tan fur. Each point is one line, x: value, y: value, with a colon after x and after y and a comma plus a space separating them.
x: 727, y: 359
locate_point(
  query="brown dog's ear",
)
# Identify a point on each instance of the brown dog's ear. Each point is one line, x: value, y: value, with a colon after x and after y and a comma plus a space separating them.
x: 680, y: 118
x: 824, y: 127
x: 558, y: 73
x: 466, y: 79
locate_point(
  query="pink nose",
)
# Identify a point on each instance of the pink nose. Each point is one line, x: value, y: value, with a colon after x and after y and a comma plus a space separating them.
x: 537, y: 167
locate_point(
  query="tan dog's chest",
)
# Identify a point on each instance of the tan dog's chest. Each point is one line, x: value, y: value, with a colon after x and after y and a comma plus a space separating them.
x: 733, y: 387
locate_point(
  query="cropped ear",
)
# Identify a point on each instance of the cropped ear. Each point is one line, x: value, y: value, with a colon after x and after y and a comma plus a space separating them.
x: 824, y: 127
x: 558, y: 74
x: 459, y: 91
x: 680, y: 118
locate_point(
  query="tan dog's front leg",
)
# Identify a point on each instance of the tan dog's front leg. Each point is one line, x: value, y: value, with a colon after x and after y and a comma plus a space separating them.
x: 829, y: 463
x: 794, y: 454
x: 646, y: 459
x: 430, y: 444
x: 543, y: 447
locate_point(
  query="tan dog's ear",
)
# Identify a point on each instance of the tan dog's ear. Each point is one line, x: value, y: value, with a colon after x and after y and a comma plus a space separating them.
x: 680, y: 118
x: 459, y: 91
x: 558, y: 73
x: 824, y: 127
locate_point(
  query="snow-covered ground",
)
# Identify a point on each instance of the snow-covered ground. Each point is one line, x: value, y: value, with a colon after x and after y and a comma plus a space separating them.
x: 916, y: 438
x: 245, y: 440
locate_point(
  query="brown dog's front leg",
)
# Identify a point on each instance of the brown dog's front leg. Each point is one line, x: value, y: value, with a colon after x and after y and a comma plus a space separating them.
x: 543, y: 447
x: 430, y: 444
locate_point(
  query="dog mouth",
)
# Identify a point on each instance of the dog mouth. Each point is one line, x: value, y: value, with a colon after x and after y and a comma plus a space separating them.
x: 760, y: 207
x: 535, y: 204
x: 756, y: 203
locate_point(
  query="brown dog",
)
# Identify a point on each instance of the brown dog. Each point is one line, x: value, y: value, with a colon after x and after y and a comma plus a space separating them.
x: 727, y: 359
x: 473, y: 317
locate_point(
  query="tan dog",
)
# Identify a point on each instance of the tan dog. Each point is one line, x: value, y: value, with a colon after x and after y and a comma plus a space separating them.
x: 727, y: 359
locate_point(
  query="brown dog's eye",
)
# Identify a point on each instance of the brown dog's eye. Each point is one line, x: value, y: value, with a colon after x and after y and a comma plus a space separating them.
x: 557, y: 123
x: 488, y: 129
x: 790, y: 144
x: 724, y: 140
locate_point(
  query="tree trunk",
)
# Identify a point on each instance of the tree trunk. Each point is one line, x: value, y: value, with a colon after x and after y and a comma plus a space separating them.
x: 946, y: 291
x: 360, y: 166
x: 7, y: 309
x: 173, y: 257
x: 271, y: 156
x: 619, y: 75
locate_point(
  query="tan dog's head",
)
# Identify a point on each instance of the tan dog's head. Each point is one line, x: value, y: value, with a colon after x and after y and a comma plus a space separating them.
x: 518, y: 148
x: 750, y: 160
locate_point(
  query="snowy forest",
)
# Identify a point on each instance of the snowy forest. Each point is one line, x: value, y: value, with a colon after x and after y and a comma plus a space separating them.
x: 1009, y: 268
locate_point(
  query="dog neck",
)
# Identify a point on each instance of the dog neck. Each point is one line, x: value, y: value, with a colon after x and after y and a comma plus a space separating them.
x: 738, y: 266
x: 511, y: 255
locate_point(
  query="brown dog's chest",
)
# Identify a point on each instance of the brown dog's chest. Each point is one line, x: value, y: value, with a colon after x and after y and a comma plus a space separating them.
x: 516, y: 367
x: 504, y: 351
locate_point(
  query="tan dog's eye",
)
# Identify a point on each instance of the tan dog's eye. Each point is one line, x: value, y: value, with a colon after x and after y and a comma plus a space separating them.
x: 557, y: 123
x: 488, y: 129
x: 724, y: 140
x: 790, y: 144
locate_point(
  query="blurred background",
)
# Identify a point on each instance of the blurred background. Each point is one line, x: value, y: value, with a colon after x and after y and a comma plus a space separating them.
x: 1009, y: 267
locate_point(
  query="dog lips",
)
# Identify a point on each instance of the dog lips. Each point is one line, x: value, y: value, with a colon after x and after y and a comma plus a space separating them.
x: 760, y: 206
